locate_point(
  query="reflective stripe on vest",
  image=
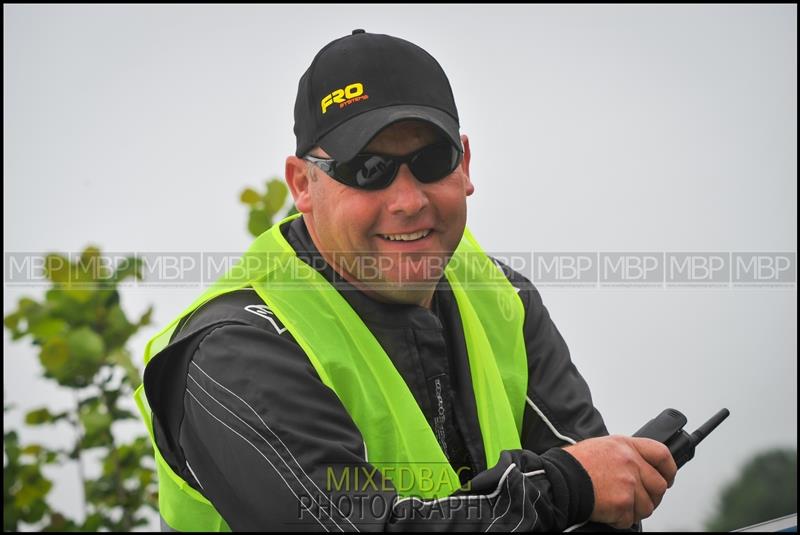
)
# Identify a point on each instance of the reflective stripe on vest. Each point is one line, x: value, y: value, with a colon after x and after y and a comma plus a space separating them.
x: 400, y: 442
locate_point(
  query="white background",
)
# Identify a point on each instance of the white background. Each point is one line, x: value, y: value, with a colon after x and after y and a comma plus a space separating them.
x: 617, y: 128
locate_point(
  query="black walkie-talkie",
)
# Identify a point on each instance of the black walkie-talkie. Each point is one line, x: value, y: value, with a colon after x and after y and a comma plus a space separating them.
x: 667, y: 428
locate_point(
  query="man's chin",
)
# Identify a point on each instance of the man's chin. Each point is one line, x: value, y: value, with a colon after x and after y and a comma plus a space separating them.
x: 407, y: 294
x: 409, y: 279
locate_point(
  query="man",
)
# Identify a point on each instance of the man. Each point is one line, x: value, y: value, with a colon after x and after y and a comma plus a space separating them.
x: 369, y: 367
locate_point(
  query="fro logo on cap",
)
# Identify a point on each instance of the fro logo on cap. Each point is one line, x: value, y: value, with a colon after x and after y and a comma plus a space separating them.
x: 344, y: 97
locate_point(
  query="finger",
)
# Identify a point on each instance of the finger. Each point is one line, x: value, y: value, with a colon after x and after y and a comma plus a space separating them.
x: 643, y: 505
x: 625, y: 521
x: 658, y: 456
x: 652, y: 482
x: 622, y: 525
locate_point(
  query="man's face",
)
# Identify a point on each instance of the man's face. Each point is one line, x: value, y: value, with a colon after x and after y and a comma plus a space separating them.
x: 353, y: 227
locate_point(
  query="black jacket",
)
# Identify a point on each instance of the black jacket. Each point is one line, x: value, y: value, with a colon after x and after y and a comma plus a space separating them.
x: 241, y: 414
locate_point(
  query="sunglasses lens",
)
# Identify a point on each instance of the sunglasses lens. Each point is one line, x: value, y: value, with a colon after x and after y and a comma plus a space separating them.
x: 370, y: 171
x: 434, y: 162
x: 375, y: 171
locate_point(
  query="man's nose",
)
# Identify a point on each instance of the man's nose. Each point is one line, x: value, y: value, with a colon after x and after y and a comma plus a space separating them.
x: 406, y: 195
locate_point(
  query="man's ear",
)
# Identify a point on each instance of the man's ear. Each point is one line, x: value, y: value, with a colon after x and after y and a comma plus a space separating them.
x: 299, y: 183
x: 469, y: 189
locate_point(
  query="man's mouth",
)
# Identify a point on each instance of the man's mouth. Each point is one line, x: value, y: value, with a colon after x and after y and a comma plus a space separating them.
x: 414, y: 236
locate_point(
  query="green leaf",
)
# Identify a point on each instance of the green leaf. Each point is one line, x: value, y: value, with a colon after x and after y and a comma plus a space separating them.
x: 35, y: 512
x: 57, y: 267
x: 92, y: 267
x: 12, y: 320
x: 130, y: 267
x: 100, y: 490
x: 34, y: 487
x: 276, y: 196
x: 62, y: 305
x: 85, y: 345
x: 79, y: 294
x: 93, y: 522
x: 91, y: 401
x: 48, y: 327
x: 250, y: 196
x: 96, y: 422
x: 73, y: 361
x: 145, y: 477
x: 32, y: 449
x: 54, y: 355
x: 122, y: 414
x: 38, y: 417
x: 59, y: 523
x: 118, y: 328
x: 123, y: 359
x: 26, y: 305
x: 90, y: 254
x: 12, y: 451
x: 31, y: 311
x: 146, y: 317
x: 259, y: 222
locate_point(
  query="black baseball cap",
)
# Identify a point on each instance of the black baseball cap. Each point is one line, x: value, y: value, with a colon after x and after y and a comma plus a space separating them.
x: 359, y: 84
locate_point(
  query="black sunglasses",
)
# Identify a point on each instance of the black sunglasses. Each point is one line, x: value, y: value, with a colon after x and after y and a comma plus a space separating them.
x: 377, y: 171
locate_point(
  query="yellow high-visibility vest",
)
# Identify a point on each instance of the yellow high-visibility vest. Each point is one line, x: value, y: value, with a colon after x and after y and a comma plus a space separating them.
x: 351, y: 362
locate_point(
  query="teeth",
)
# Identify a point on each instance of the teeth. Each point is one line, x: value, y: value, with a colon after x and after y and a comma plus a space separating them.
x: 406, y: 237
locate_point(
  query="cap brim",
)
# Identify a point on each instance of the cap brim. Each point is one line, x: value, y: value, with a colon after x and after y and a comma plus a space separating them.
x: 348, y: 139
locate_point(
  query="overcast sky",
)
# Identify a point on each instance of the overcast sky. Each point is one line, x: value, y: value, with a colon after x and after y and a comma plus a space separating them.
x: 638, y: 129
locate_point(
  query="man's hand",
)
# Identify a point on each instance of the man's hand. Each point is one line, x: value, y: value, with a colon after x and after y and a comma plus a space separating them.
x: 629, y: 475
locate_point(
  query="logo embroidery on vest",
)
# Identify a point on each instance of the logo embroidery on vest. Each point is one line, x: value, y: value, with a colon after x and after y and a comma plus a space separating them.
x: 263, y: 311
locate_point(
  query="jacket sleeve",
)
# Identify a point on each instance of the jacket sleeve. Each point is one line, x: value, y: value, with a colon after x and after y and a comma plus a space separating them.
x: 269, y: 445
x: 559, y: 408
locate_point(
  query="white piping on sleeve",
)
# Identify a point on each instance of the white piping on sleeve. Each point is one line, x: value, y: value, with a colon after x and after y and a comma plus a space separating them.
x: 270, y: 445
x: 534, y: 473
x: 576, y: 526
x: 525, y: 474
x: 464, y: 496
x: 262, y: 437
x: 189, y: 466
x: 535, y: 520
x: 546, y: 421
x: 521, y: 518
x: 508, y: 488
x: 264, y: 456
